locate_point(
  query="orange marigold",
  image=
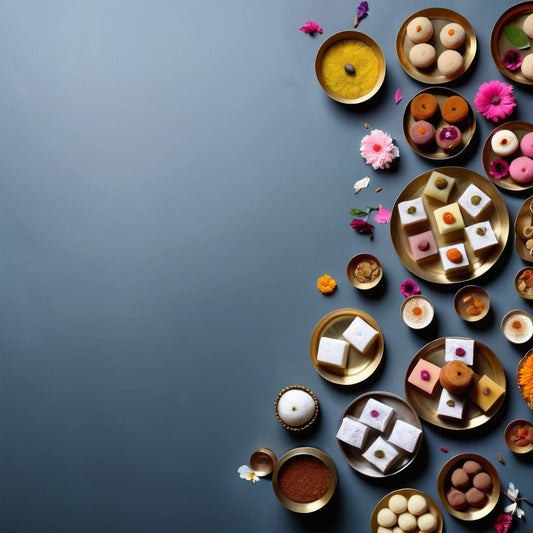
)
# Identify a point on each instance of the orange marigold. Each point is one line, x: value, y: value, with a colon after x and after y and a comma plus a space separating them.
x: 326, y: 284
x: 525, y: 379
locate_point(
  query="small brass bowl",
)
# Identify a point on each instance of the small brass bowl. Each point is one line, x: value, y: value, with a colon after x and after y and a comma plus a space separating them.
x: 462, y: 303
x: 314, y: 505
x: 517, y: 335
x: 262, y: 461
x: 373, y: 262
x: 510, y: 431
x: 424, y: 318
x: 305, y: 425
x: 524, y: 292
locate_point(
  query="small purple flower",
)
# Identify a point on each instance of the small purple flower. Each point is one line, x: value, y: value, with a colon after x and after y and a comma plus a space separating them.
x: 362, y: 9
x: 362, y: 227
x: 512, y: 60
x: 409, y: 288
x: 499, y: 168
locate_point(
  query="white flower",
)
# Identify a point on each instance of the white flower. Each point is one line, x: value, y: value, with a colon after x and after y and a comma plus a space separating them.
x: 245, y: 472
x: 512, y: 509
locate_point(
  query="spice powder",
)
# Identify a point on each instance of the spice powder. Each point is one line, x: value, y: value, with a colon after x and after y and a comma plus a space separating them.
x: 304, y: 479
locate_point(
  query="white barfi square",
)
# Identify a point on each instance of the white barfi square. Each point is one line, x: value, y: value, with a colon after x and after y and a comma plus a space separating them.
x: 412, y: 212
x: 360, y: 334
x: 459, y: 350
x: 450, y: 405
x: 439, y: 186
x: 405, y: 436
x: 381, y: 454
x: 474, y: 201
x: 376, y: 414
x: 449, y: 218
x: 333, y: 352
x: 481, y: 237
x: 451, y: 267
x: 353, y: 432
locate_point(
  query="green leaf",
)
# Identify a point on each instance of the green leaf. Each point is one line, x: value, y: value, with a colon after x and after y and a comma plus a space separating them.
x: 358, y: 212
x: 516, y: 36
x: 370, y: 208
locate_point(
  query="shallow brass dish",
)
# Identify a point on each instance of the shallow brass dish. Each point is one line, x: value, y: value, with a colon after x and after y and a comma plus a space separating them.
x: 311, y: 506
x: 510, y: 431
x: 485, y: 362
x: 432, y: 270
x: 519, y: 128
x: 523, y: 218
x: 417, y: 297
x: 516, y: 283
x: 476, y: 292
x: 360, y: 366
x: 350, y: 271
x: 520, y: 365
x: 356, y: 36
x: 439, y: 17
x: 468, y: 126
x: 433, y: 508
x: 512, y: 314
x: 499, y: 44
x: 403, y: 411
x: 443, y: 484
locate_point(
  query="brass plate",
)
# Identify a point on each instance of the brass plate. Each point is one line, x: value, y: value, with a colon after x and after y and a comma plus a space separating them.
x: 485, y: 362
x: 519, y: 128
x: 350, y: 271
x: 510, y: 431
x: 311, y: 506
x: 403, y: 411
x: 468, y: 126
x: 520, y: 365
x: 499, y: 44
x: 443, y: 484
x: 432, y: 270
x: 433, y: 508
x: 356, y: 36
x: 523, y: 218
x: 515, y: 282
x: 360, y: 366
x: 476, y: 292
x: 439, y: 17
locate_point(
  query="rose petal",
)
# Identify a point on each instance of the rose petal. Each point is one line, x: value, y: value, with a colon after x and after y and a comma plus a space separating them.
x: 383, y: 215
x: 398, y: 96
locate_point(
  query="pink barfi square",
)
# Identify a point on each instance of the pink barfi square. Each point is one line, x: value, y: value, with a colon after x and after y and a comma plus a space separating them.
x: 425, y: 376
x: 423, y: 246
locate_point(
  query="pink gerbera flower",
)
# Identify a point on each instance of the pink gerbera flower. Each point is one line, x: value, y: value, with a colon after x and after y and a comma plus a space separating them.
x: 495, y: 100
x: 378, y: 149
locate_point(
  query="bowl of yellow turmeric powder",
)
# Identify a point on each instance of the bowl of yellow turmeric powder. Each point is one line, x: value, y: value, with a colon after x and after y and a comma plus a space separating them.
x: 350, y: 67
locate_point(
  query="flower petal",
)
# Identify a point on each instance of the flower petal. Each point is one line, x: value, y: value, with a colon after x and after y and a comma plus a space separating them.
x: 383, y: 215
x: 311, y: 27
x: 398, y: 96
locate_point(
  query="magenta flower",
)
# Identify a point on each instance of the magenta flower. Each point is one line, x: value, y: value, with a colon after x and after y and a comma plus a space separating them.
x: 362, y: 227
x: 383, y: 215
x: 311, y: 27
x: 499, y: 168
x: 409, y: 288
x: 503, y: 523
x: 495, y: 100
x: 512, y: 60
x: 378, y: 149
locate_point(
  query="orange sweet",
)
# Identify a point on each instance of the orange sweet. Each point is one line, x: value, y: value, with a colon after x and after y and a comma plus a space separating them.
x: 448, y: 218
x: 454, y: 255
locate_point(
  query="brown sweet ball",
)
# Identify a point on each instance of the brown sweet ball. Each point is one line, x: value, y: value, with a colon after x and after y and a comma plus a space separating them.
x: 482, y: 481
x: 475, y: 497
x: 424, y: 106
x: 460, y: 479
x: 454, y: 109
x: 456, y: 499
x: 472, y: 467
x: 456, y: 377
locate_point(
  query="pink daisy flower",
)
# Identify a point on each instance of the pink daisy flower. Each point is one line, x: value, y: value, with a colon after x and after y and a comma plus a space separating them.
x: 378, y: 149
x: 495, y: 100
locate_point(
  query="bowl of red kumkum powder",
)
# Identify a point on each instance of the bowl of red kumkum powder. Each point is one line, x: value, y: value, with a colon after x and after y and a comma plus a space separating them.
x: 304, y: 479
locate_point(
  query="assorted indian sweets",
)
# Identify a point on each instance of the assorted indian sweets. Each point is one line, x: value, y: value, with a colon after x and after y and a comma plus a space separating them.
x: 404, y: 513
x: 515, y: 154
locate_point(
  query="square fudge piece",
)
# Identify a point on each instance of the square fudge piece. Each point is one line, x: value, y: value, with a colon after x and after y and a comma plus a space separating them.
x: 449, y: 218
x: 459, y: 264
x: 423, y: 246
x: 485, y: 393
x: 450, y: 405
x: 405, y: 436
x: 459, y: 350
x: 474, y: 201
x: 376, y: 414
x: 412, y: 212
x: 481, y: 237
x: 381, y: 454
x: 439, y: 186
x: 360, y: 334
x: 352, y: 432
x: 425, y: 376
x: 333, y: 352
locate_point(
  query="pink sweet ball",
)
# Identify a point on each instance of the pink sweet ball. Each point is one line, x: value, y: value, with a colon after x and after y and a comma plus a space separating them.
x: 526, y: 144
x: 521, y: 169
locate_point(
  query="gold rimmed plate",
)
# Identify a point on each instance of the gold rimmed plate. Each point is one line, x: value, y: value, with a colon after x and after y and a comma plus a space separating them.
x: 511, y: 438
x: 359, y: 366
x: 444, y: 484
x: 485, y: 362
x: 433, y: 508
x: 471, y: 303
x: 308, y: 507
x: 433, y: 270
x: 402, y: 411
x: 499, y: 44
x: 367, y: 279
x: 519, y: 128
x: 467, y: 126
x: 523, y: 219
x: 357, y: 37
x: 439, y: 18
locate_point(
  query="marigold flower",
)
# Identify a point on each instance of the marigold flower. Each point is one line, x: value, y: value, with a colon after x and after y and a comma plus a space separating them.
x: 326, y: 284
x: 525, y: 380
x: 495, y: 100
